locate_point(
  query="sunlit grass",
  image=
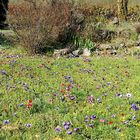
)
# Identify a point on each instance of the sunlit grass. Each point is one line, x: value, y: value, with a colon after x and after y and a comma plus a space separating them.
x: 38, y: 94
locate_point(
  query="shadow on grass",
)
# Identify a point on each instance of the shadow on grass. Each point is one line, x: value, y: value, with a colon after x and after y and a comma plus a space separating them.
x: 7, y: 39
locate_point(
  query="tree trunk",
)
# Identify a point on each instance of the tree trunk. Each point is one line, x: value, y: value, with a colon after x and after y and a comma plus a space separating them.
x: 122, y: 9
x: 3, y: 12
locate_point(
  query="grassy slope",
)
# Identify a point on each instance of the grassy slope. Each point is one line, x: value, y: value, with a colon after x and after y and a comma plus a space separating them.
x: 42, y: 80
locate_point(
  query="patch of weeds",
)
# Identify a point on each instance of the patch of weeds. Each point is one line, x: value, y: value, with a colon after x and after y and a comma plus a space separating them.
x: 83, y: 43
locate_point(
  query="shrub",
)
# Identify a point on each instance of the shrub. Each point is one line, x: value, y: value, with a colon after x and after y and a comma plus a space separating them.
x: 43, y: 26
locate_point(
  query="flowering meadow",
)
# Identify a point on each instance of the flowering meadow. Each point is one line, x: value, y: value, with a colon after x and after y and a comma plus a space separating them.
x: 45, y: 98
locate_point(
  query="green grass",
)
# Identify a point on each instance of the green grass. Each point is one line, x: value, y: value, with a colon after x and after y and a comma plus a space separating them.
x: 45, y: 81
x: 38, y: 94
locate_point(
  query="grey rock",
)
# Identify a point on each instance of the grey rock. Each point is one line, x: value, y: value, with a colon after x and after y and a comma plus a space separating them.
x: 61, y: 52
x: 115, y: 21
x: 86, y: 52
x: 137, y: 44
x: 122, y: 45
x: 76, y: 52
x: 113, y: 52
x: 105, y: 46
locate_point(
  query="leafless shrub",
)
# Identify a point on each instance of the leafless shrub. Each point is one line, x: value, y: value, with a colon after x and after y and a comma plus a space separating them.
x: 41, y: 25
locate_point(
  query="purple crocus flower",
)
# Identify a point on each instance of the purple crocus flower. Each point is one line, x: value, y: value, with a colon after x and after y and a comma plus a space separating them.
x: 58, y: 129
x: 21, y: 104
x: 3, y: 72
x: 69, y: 79
x: 69, y: 132
x: 105, y: 94
x: 93, y: 117
x: 72, y: 97
x: 76, y: 129
x: 90, y: 125
x: 86, y: 120
x: 66, y: 123
x: 6, y: 122
x: 134, y: 107
x: 119, y: 94
x: 66, y: 127
x: 108, y: 83
x: 28, y: 125
x: 68, y: 88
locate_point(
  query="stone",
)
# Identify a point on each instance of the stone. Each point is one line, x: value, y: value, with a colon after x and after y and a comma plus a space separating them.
x: 105, y: 46
x: 61, y: 52
x: 113, y: 52
x: 66, y: 51
x: 115, y: 21
x: 137, y: 43
x: 122, y: 45
x: 86, y: 52
x: 76, y: 52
